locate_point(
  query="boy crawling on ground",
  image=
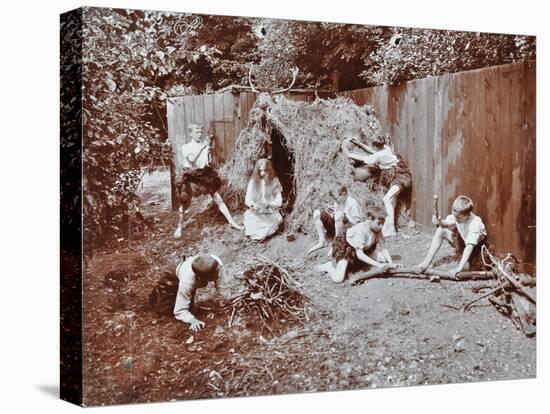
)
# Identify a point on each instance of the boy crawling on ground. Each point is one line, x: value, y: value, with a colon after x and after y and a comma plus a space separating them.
x: 361, y: 244
x: 331, y: 222
x: 463, y: 230
x: 193, y: 273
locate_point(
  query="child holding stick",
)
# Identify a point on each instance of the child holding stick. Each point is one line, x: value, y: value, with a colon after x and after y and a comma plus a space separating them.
x: 361, y: 244
x: 199, y: 178
x: 463, y: 230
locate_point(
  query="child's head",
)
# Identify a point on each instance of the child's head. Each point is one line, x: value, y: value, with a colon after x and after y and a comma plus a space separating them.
x: 206, y: 269
x: 378, y: 141
x: 263, y: 169
x: 462, y: 207
x: 376, y: 217
x: 340, y: 194
x: 195, y: 132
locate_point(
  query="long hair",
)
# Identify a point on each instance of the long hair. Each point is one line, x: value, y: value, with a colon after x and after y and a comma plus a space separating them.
x: 272, y: 183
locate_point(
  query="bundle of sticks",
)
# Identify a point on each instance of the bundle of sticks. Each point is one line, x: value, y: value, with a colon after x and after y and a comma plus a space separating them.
x: 271, y: 295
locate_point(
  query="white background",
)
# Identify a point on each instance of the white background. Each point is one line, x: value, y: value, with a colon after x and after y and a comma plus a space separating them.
x: 29, y: 209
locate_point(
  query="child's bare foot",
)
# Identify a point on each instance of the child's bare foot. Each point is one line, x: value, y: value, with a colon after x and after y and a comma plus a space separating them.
x: 177, y: 233
x: 423, y: 266
x: 325, y: 267
x: 318, y: 246
x: 237, y: 226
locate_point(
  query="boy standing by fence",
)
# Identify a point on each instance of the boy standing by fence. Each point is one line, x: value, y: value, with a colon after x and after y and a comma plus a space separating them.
x: 198, y: 177
x: 463, y: 230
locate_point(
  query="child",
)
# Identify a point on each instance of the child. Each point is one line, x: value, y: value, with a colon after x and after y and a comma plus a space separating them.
x: 380, y: 161
x: 193, y: 273
x: 198, y: 177
x: 264, y: 199
x: 463, y: 230
x: 362, y: 243
x: 329, y: 223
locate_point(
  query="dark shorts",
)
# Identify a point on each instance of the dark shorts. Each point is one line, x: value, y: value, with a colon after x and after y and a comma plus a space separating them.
x: 475, y: 260
x: 202, y: 181
x: 327, y: 218
x: 399, y: 175
x: 342, y: 250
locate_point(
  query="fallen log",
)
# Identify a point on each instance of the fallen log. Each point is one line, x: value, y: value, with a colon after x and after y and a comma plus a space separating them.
x: 414, y: 272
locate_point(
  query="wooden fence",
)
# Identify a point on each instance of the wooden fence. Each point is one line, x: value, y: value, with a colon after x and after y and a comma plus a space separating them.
x: 467, y: 133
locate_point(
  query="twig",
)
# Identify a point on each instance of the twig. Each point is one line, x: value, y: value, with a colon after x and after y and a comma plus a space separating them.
x: 466, y: 306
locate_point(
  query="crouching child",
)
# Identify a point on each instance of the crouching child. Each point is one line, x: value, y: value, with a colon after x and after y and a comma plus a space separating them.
x: 331, y: 222
x: 194, y: 273
x: 361, y: 244
x: 464, y: 231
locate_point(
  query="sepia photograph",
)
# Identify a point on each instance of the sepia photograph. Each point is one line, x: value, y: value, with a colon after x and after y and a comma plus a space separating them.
x: 258, y: 206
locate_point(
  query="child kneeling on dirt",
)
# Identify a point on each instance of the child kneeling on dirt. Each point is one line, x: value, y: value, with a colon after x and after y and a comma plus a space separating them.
x: 361, y: 244
x: 463, y: 230
x: 331, y: 222
x: 193, y: 273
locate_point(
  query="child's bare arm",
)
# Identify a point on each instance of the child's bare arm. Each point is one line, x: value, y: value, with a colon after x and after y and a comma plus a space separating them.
x: 366, y: 259
x: 365, y: 147
x: 387, y: 256
x: 193, y: 160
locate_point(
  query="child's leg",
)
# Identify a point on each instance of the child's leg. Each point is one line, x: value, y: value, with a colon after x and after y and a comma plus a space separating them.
x: 339, y: 274
x: 225, y: 211
x: 177, y: 233
x: 440, y: 234
x: 338, y: 222
x: 390, y: 201
x: 320, y: 228
x: 184, y: 200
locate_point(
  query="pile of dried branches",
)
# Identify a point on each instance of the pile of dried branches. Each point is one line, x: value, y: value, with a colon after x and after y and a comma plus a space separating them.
x: 313, y: 133
x: 270, y: 295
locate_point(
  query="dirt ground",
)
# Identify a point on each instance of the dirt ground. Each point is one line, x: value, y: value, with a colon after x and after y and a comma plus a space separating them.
x: 386, y: 332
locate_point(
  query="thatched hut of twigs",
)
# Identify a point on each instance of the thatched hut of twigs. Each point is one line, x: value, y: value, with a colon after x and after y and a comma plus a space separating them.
x: 304, y: 141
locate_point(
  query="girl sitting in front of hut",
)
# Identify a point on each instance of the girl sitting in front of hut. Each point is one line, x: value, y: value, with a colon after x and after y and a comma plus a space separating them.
x: 381, y: 162
x: 198, y: 177
x: 264, y: 199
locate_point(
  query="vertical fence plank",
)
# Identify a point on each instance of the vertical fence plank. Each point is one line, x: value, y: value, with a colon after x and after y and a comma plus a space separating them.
x: 229, y: 119
x: 209, y: 125
x: 527, y: 221
x: 219, y: 128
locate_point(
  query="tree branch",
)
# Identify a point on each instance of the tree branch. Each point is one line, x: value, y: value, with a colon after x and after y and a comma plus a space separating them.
x: 415, y: 273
